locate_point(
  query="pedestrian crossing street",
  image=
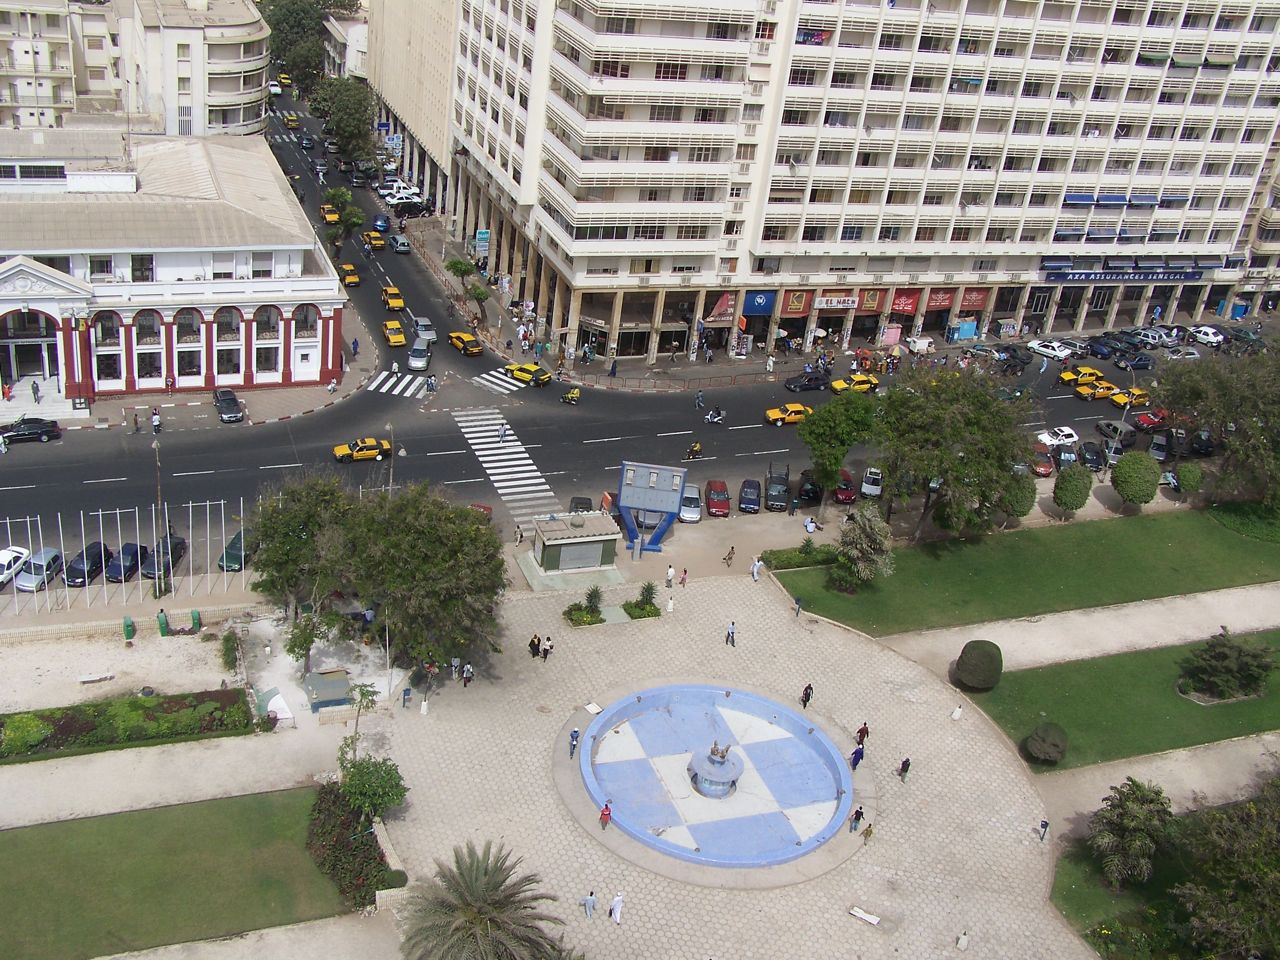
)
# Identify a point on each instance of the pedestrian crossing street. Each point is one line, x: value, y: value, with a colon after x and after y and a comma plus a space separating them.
x: 521, y: 487
x: 409, y: 386
x: 496, y: 381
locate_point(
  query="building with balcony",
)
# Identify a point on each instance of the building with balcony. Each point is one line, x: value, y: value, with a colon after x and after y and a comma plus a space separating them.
x: 129, y: 264
x: 656, y: 178
x: 37, y: 63
x: 346, y: 47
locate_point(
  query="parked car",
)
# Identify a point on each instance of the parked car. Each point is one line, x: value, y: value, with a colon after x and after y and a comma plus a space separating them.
x: 1151, y: 420
x: 1090, y: 454
x: 846, y: 490
x: 1117, y: 430
x: 1064, y: 456
x: 749, y: 496
x: 810, y: 490
x: 30, y: 428
x: 984, y: 351
x: 1078, y: 348
x: 581, y: 505
x: 408, y: 209
x: 1202, y: 444
x: 807, y: 381
x: 357, y: 179
x: 1049, y: 348
x: 1058, y: 437
x: 399, y: 244
x: 1206, y: 335
x: 1102, y: 349
x: 1016, y: 352
x: 1113, y: 450
x: 872, y: 482
x: 38, y: 571
x: 717, y: 498
x: 1041, y: 461
x: 1134, y: 361
x: 1150, y: 339
x: 1159, y: 447
x: 389, y: 186
x: 124, y: 566
x: 777, y: 490
x: 690, y: 504
x: 87, y: 565
x: 1183, y: 353
x: 165, y: 557
x: 227, y: 405
x: 11, y: 561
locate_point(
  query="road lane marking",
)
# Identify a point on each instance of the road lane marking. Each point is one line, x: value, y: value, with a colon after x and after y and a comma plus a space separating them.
x: 442, y: 453
x: 106, y: 480
x: 748, y: 426
x: 472, y: 480
x: 30, y: 486
x: 280, y: 466
x: 603, y: 440
x: 761, y: 453
x: 675, y: 433
x: 194, y: 473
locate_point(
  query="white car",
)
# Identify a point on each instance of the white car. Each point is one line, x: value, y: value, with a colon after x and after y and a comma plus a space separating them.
x: 274, y: 89
x: 1059, y: 437
x: 11, y: 561
x: 691, y: 504
x: 1183, y: 353
x: 1206, y: 335
x: 403, y: 196
x: 1049, y: 348
x: 390, y: 186
x: 872, y: 482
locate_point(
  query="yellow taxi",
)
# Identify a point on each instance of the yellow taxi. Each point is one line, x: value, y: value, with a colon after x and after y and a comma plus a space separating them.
x: 1134, y: 397
x: 291, y: 122
x: 374, y: 239
x: 466, y: 344
x: 1098, y: 390
x: 527, y: 373
x: 393, y: 333
x: 284, y: 80
x: 1079, y: 375
x: 391, y: 298
x: 363, y: 448
x: 857, y: 382
x: 329, y: 213
x: 350, y: 275
x: 787, y: 413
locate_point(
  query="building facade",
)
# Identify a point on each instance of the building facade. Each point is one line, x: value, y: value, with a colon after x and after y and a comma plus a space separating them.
x: 346, y: 48
x: 656, y: 178
x: 151, y: 264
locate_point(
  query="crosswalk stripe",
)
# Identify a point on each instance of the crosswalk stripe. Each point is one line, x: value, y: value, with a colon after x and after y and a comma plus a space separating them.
x: 378, y: 379
x: 497, y: 381
x: 407, y: 386
x: 516, y: 478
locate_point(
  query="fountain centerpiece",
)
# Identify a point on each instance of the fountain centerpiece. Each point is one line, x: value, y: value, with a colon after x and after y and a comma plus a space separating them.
x: 715, y: 773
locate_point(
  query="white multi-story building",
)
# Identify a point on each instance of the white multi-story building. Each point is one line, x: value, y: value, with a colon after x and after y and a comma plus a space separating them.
x: 131, y: 264
x: 658, y: 177
x: 181, y: 67
x: 346, y: 47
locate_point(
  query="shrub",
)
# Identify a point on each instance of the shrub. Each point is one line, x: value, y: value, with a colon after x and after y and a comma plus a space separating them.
x: 236, y: 717
x: 864, y: 550
x: 1018, y: 497
x: 1258, y: 521
x: 808, y: 547
x: 595, y: 596
x: 373, y: 785
x: 230, y: 651
x: 344, y: 849
x: 979, y: 665
x: 23, y: 732
x: 396, y: 879
x: 579, y: 616
x: 1047, y: 743
x: 791, y: 558
x: 1190, y: 478
x: 637, y: 610
x: 648, y: 593
x: 1226, y: 667
x: 1071, y: 489
x: 1136, y: 477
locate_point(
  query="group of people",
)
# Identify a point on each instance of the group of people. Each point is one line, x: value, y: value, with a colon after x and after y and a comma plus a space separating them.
x: 155, y: 421
x: 540, y: 647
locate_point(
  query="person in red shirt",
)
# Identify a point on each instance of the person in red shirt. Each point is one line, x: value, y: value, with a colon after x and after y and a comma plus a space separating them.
x: 606, y: 814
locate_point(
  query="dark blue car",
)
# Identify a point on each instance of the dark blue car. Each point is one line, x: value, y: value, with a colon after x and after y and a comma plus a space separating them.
x: 381, y: 223
x: 1134, y: 361
x: 1099, y: 349
x: 749, y: 496
x: 124, y: 565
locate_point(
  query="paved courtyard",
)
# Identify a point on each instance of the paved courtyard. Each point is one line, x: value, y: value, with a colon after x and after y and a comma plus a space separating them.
x: 955, y: 848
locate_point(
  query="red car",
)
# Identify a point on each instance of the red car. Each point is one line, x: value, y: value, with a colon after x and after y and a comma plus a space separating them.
x: 1151, y: 420
x: 1041, y: 461
x: 717, y: 498
x: 846, y: 490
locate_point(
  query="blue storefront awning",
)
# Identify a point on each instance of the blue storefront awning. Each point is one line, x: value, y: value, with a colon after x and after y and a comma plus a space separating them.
x: 1112, y: 200
x: 1078, y: 200
x: 1143, y: 200
x: 1150, y: 263
x: 1208, y: 263
x: 1071, y: 234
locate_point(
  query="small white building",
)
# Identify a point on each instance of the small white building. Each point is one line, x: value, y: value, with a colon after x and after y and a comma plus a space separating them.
x: 127, y: 262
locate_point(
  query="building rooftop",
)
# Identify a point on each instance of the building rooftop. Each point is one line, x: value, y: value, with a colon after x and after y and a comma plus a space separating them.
x: 576, y: 526
x: 197, y: 14
x: 193, y: 193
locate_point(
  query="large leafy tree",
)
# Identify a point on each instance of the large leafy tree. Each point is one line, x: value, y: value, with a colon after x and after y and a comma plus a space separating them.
x: 832, y: 430
x: 291, y: 22
x: 1231, y: 900
x: 349, y: 107
x: 1136, y: 477
x: 350, y: 216
x: 1135, y: 821
x: 1237, y: 399
x: 305, y: 63
x: 951, y: 426
x: 479, y: 908
x: 298, y: 528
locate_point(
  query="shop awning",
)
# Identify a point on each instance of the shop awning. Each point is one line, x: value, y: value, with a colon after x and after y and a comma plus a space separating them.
x: 1163, y: 235
x: 1150, y: 263
x: 1101, y: 233
x: 1118, y: 263
x: 1151, y: 59
x: 1189, y: 63
x: 1220, y: 61
x: 1174, y: 199
x: 1078, y: 200
x: 1143, y: 200
x: 1087, y: 263
x: 1068, y: 233
x: 1180, y: 261
x: 1112, y: 200
x: 1235, y: 263
x: 1209, y: 263
x: 1132, y: 236
x: 1055, y: 263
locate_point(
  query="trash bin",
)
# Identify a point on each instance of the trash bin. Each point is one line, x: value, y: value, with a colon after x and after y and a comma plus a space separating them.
x: 162, y: 619
x: 130, y: 631
x: 195, y: 621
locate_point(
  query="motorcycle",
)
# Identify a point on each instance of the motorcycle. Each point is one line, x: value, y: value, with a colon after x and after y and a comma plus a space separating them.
x: 694, y: 451
x: 572, y: 396
x: 714, y: 416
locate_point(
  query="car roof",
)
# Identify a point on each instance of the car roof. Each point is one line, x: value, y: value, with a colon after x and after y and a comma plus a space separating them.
x: 718, y: 485
x: 44, y: 555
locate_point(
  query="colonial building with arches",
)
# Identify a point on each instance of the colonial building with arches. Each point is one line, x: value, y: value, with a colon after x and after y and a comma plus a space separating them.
x: 138, y: 265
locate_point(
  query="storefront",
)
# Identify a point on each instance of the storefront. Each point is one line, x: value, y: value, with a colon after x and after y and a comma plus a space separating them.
x: 753, y: 324
x: 834, y: 308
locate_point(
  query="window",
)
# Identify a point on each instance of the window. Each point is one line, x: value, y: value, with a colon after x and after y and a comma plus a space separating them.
x: 960, y: 234
x: 619, y: 25
x: 108, y: 366
x: 746, y: 151
x: 649, y: 231
x: 890, y: 41
x: 100, y: 266
x: 688, y: 231
x: 660, y: 154
x: 765, y: 30
x: 262, y: 264
x: 926, y: 234
x: 703, y: 154
x: 890, y: 233
x: 803, y: 78
x: 708, y: 115
x: 143, y: 267
x: 610, y: 68
x: 655, y: 195
x: 664, y: 113
x: 774, y: 231
x: 93, y: 43
x: 223, y: 266
x: 715, y: 71
x: 184, y: 51
x: 814, y: 231
x: 670, y: 71
x: 266, y: 359
x: 184, y: 84
x: 644, y: 265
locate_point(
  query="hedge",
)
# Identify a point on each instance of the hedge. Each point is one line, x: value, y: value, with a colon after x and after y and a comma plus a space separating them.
x: 346, y: 850
x: 808, y: 554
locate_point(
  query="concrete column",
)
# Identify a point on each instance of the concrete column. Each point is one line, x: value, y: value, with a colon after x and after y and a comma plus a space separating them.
x: 917, y: 319
x: 1050, y: 314
x: 1114, y: 309
x: 517, y: 267
x: 615, y: 325
x: 775, y: 320
x: 1202, y: 301
x: 655, y: 327
x: 1144, y: 306
x: 1078, y: 324
x: 544, y: 291
x: 570, y: 333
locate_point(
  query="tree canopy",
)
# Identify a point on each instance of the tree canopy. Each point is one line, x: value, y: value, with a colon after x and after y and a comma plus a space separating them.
x: 291, y: 22
x: 832, y: 430
x: 1071, y: 488
x: 349, y: 107
x: 1237, y: 399
x: 1135, y: 821
x: 305, y: 63
x: 1136, y: 477
x: 864, y: 550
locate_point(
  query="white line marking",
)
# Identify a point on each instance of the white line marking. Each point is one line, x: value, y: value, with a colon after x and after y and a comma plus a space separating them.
x: 603, y: 440
x: 748, y: 426
x: 106, y: 480
x: 194, y: 473
x: 675, y: 433
x: 443, y: 453
x: 377, y: 380
x: 30, y: 486
x: 472, y: 480
x: 280, y: 466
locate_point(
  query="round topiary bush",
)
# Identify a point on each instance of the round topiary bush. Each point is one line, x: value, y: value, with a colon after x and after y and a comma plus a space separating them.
x: 979, y: 665
x: 1047, y: 743
x: 396, y: 879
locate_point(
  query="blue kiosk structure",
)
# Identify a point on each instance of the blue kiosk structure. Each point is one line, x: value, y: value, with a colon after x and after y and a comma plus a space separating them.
x: 646, y: 489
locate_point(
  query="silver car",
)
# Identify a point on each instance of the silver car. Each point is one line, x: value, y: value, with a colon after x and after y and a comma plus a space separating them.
x: 399, y: 244
x: 691, y: 504
x: 419, y: 354
x: 39, y: 570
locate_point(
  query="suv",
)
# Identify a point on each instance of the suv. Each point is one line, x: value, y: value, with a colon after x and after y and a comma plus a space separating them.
x: 777, y: 490
x: 1117, y: 430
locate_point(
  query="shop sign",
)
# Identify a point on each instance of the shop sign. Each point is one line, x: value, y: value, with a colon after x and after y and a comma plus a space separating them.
x: 835, y: 303
x: 796, y: 303
x: 940, y: 299
x: 759, y: 303
x: 975, y: 298
x: 1123, y: 276
x: 871, y: 301
x: 905, y: 301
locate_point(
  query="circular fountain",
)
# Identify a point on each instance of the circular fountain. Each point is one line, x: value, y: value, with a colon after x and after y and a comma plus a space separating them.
x: 715, y: 773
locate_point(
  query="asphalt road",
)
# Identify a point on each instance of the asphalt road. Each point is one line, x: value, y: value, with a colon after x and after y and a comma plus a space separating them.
x: 577, y: 448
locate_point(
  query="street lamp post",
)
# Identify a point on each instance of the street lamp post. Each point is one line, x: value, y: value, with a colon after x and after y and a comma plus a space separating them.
x: 159, y: 524
x: 391, y: 485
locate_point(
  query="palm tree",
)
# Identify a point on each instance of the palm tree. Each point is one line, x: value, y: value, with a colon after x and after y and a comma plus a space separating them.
x: 1132, y: 824
x: 479, y: 909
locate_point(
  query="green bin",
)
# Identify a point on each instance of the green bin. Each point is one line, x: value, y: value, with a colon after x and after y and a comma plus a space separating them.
x: 163, y: 620
x: 195, y: 621
x: 130, y: 631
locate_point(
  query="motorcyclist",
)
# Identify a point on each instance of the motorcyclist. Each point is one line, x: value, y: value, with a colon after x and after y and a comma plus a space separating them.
x: 694, y: 451
x: 715, y: 415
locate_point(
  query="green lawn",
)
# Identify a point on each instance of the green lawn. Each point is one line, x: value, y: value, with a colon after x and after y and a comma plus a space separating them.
x: 84, y: 888
x: 1028, y: 572
x: 1124, y: 705
x: 1084, y: 899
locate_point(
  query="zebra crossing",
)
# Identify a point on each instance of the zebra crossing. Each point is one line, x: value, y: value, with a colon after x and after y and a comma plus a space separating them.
x: 497, y: 381
x: 409, y: 386
x: 521, y: 487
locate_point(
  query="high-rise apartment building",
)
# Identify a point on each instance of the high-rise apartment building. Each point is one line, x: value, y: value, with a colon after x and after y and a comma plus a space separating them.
x: 656, y: 176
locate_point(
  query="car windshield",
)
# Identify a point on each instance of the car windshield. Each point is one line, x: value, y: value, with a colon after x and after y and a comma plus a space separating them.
x: 33, y: 567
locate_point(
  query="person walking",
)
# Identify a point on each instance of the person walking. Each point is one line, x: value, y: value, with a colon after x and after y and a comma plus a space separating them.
x: 855, y: 821
x: 547, y: 647
x: 35, y: 391
x: 502, y: 433
x: 606, y: 814
x: 1044, y: 364
x: 866, y: 834
x: 756, y: 565
x: 806, y: 695
x: 684, y: 577
x: 903, y: 768
x: 468, y: 673
x: 728, y: 558
x: 797, y: 600
x: 855, y: 758
x: 698, y: 400
x: 731, y: 635
x: 137, y: 424
x: 574, y: 735
x: 155, y: 421
x: 4, y: 445
x: 671, y: 575
x: 615, y: 909
x: 535, y: 646
x: 863, y: 732
x: 589, y: 904
x: 355, y: 347
x: 768, y: 364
